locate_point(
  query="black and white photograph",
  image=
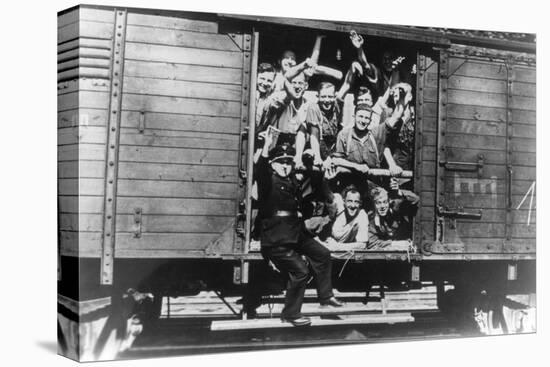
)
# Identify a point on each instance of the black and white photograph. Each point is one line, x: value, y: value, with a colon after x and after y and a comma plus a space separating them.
x: 236, y: 182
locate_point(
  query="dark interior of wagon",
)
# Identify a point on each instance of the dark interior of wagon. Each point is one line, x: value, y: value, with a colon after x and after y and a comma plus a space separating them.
x: 338, y: 52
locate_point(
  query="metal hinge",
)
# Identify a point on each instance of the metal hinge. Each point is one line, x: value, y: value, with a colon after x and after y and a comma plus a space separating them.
x: 137, y: 221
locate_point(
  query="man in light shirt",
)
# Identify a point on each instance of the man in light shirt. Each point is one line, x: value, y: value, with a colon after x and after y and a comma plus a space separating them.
x: 352, y: 224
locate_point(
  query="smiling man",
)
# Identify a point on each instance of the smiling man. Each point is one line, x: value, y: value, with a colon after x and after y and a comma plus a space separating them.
x: 391, y: 221
x: 352, y: 224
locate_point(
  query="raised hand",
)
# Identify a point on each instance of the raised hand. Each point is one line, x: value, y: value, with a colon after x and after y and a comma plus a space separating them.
x: 356, y: 68
x: 395, y: 63
x: 356, y: 39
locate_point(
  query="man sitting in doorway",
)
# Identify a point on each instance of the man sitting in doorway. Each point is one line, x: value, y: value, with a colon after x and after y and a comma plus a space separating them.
x: 352, y: 223
x: 392, y: 219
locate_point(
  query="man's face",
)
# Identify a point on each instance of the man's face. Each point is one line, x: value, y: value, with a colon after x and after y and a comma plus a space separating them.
x: 363, y: 119
x: 381, y: 204
x: 287, y: 61
x: 365, y: 98
x: 387, y: 60
x: 265, y: 82
x: 300, y: 85
x: 352, y: 203
x: 283, y: 167
x: 327, y: 96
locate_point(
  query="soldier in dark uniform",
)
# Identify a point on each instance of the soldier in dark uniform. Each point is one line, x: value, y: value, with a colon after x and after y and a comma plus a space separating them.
x: 282, y: 234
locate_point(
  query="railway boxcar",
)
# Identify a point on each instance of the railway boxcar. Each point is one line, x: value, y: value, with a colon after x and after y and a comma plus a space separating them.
x: 155, y: 133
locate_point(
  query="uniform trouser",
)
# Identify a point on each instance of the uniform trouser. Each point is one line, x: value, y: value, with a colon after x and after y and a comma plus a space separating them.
x: 287, y: 258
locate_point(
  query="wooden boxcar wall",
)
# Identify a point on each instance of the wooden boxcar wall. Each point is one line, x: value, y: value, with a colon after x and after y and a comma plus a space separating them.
x: 472, y: 108
x: 84, y: 61
x: 182, y: 108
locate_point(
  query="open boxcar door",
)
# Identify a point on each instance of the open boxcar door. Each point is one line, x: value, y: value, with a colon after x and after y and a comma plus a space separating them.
x: 478, y: 155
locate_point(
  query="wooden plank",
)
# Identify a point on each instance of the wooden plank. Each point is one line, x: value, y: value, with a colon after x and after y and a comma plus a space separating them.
x: 136, y: 102
x: 429, y: 109
x: 82, y: 134
x: 97, y: 15
x: 479, y: 69
x: 153, y: 242
x: 525, y: 74
x: 177, y: 139
x: 82, y: 99
x: 84, y: 244
x: 179, y: 23
x: 86, y: 29
x: 524, y: 131
x: 84, y: 169
x: 468, y: 83
x: 80, y: 204
x: 167, y: 172
x: 524, y: 159
x: 184, y: 89
x: 477, y: 112
x: 471, y: 98
x: 169, y: 189
x: 172, y: 71
x: 84, y: 72
x: 524, y: 103
x: 430, y: 94
x: 174, y: 224
x: 524, y: 230
x: 68, y: 18
x: 173, y: 206
x: 93, y: 152
x: 479, y: 229
x: 490, y: 128
x: 523, y: 145
x: 524, y: 89
x: 81, y: 222
x: 85, y: 62
x: 222, y: 141
x: 84, y: 42
x: 68, y: 32
x: 391, y: 318
x: 84, y: 52
x: 431, y: 79
x: 183, y: 55
x: 524, y: 117
x: 82, y: 186
x: 489, y: 246
x: 177, y: 155
x: 177, y: 122
x: 180, y: 38
x: 75, y: 85
x: 483, y: 143
x: 82, y: 116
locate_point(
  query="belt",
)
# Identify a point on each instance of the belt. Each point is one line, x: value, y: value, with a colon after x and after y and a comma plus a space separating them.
x: 285, y: 213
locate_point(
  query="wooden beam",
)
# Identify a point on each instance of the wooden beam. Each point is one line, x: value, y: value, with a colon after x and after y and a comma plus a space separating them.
x: 276, y: 323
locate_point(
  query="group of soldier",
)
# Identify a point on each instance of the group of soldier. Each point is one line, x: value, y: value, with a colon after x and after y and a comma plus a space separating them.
x: 319, y: 181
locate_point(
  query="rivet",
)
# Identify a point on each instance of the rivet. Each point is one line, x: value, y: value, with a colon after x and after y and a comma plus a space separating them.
x: 110, y: 181
x: 112, y: 146
x: 113, y: 128
x: 120, y: 13
x: 119, y: 26
x: 114, y: 111
x: 246, y: 55
x: 116, y: 73
x: 109, y: 199
x: 114, y: 94
x: 118, y: 62
x: 109, y: 217
x: 107, y: 234
x: 111, y: 163
x: 119, y: 34
x: 245, y: 103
